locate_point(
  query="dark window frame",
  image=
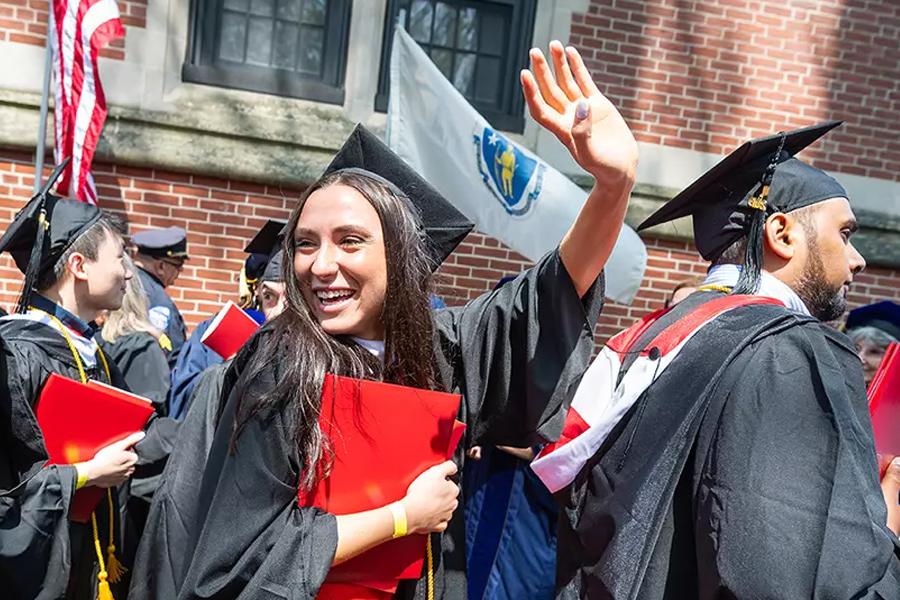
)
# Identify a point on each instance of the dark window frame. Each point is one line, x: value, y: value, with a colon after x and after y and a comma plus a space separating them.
x: 512, y: 116
x: 202, y: 67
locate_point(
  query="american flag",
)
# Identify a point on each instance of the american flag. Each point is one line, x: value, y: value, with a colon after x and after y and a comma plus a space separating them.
x: 78, y: 30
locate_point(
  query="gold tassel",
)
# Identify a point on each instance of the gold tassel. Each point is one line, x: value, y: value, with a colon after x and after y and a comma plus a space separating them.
x: 115, y: 569
x: 103, y: 591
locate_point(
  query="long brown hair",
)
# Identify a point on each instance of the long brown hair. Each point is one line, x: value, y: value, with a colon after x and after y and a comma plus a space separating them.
x: 302, y: 353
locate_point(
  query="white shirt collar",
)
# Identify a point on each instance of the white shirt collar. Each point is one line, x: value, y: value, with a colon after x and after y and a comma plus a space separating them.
x: 376, y: 347
x: 769, y: 285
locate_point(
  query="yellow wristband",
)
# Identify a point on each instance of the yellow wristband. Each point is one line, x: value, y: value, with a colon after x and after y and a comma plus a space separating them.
x: 399, y: 514
x: 82, y: 475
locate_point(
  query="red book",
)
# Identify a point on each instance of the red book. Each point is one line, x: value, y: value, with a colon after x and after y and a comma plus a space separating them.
x: 78, y: 419
x: 884, y: 402
x: 231, y: 328
x: 383, y: 436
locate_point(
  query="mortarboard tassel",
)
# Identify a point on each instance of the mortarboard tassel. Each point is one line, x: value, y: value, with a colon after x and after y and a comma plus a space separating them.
x: 114, y: 568
x: 34, y: 262
x: 748, y: 282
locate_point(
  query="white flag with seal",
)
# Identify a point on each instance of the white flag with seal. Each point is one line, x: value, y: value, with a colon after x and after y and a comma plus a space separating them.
x: 508, y: 192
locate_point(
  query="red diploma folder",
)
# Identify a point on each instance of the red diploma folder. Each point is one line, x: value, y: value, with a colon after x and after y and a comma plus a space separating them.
x: 382, y: 436
x: 884, y: 402
x: 231, y: 328
x: 78, y: 419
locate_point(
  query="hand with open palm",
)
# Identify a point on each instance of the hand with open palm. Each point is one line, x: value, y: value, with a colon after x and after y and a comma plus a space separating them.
x: 569, y: 105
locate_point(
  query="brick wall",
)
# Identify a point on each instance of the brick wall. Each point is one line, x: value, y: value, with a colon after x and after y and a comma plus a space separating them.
x: 708, y: 74
x: 25, y: 22
x: 221, y: 216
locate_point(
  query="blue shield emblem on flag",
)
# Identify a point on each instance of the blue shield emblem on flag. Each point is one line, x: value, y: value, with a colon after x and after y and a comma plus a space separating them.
x: 513, y: 177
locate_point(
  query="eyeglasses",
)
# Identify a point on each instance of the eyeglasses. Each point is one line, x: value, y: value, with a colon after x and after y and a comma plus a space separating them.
x: 178, y: 264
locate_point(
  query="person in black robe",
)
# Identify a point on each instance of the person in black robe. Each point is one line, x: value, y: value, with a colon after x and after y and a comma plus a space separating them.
x: 133, y: 344
x: 60, y: 245
x: 161, y: 561
x: 747, y: 468
x: 263, y: 277
x: 514, y: 355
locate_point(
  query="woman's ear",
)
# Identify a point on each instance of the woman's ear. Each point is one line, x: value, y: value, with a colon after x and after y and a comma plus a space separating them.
x: 781, y: 236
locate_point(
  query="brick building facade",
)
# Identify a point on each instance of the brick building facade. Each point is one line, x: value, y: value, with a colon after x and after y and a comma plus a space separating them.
x: 693, y: 79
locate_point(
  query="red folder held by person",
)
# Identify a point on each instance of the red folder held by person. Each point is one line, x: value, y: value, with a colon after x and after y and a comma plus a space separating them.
x: 229, y: 330
x: 884, y: 402
x: 78, y: 419
x: 382, y: 436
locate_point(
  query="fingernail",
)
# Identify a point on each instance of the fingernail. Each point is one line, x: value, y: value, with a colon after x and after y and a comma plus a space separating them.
x: 581, y: 111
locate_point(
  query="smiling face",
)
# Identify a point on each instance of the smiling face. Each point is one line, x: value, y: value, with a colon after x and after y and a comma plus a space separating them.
x: 106, y: 277
x: 339, y: 260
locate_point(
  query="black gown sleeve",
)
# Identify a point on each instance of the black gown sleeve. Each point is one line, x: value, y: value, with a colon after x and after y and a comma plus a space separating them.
x: 255, y: 541
x: 34, y: 498
x: 162, y: 557
x: 787, y: 498
x: 517, y: 354
x: 144, y: 366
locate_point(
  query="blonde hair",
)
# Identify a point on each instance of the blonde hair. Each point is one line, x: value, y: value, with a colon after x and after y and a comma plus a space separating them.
x: 131, y: 317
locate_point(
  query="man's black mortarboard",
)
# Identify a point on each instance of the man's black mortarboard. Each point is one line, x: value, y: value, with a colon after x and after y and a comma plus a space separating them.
x: 170, y: 242
x: 267, y: 242
x: 444, y: 225
x: 883, y: 315
x: 42, y: 232
x: 733, y: 199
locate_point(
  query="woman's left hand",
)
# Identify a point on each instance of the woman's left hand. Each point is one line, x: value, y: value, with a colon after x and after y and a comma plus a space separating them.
x: 570, y: 106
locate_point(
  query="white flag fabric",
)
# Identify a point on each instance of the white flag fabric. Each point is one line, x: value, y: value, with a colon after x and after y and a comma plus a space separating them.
x: 505, y: 189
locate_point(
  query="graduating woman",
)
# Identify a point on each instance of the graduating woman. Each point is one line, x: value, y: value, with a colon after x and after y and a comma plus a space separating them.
x: 359, y: 254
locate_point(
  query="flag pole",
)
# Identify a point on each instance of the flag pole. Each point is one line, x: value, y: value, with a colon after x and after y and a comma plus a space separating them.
x: 42, y: 125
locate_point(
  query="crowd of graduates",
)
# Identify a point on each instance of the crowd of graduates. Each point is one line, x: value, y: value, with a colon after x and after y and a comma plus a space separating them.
x: 720, y: 447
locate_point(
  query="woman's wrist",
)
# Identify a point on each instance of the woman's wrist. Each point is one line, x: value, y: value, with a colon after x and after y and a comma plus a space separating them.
x: 401, y: 525
x: 82, y: 475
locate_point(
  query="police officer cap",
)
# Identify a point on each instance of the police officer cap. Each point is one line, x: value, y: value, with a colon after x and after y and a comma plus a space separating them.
x: 170, y: 242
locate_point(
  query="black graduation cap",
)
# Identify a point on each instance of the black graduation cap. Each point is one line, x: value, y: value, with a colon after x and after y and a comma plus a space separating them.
x: 759, y: 178
x: 42, y: 232
x: 883, y: 315
x: 267, y: 243
x: 444, y: 225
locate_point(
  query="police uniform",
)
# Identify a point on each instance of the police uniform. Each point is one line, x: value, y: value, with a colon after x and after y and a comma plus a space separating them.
x: 164, y: 315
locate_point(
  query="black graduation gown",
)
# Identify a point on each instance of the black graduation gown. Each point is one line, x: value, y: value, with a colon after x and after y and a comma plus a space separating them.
x: 143, y: 364
x: 516, y: 355
x: 41, y: 551
x: 747, y: 470
x: 162, y: 560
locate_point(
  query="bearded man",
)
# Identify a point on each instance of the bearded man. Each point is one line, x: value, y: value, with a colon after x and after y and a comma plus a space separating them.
x: 740, y: 462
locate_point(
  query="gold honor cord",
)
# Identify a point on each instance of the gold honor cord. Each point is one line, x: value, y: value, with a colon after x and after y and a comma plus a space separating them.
x: 110, y: 570
x: 714, y: 288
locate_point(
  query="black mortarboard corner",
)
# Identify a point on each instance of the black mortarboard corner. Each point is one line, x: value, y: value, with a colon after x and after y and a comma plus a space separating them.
x: 268, y: 243
x: 444, y: 225
x: 42, y: 232
x: 734, y: 198
x: 883, y: 315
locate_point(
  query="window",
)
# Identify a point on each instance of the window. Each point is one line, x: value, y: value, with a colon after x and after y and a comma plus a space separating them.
x: 479, y: 45
x: 291, y: 48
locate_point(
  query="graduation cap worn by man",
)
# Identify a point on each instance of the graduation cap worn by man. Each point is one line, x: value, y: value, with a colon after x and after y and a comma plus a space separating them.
x: 735, y: 197
x: 43, y: 230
